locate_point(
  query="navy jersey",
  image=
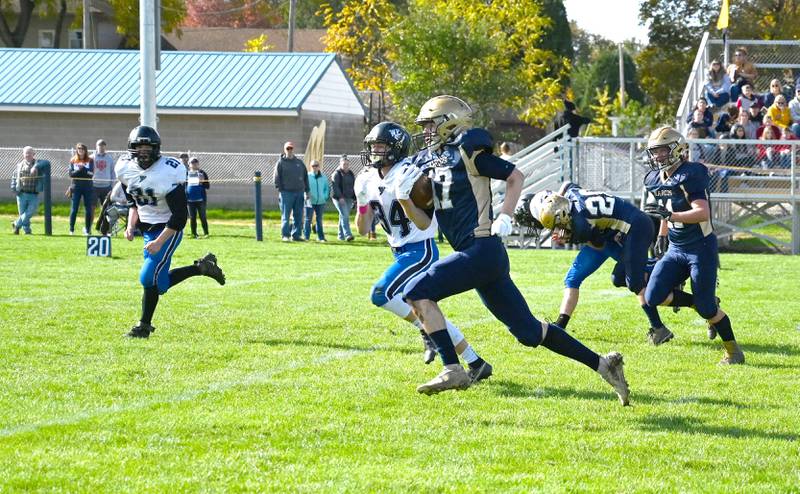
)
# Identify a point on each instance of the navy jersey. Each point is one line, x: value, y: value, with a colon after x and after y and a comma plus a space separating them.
x: 462, y: 185
x: 676, y: 193
x: 596, y: 216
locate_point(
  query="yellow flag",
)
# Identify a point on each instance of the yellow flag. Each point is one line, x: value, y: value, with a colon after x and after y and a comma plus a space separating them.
x: 722, y: 23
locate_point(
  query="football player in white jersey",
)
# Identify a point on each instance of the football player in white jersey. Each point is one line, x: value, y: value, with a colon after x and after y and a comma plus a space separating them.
x: 413, y: 248
x: 154, y: 187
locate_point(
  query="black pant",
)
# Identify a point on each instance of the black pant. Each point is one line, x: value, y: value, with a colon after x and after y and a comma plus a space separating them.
x: 194, y: 209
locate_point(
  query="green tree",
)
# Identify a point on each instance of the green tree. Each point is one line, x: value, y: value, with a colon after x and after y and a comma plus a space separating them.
x: 21, y: 13
x: 489, y: 54
x: 126, y: 17
x: 602, y: 108
x: 557, y: 36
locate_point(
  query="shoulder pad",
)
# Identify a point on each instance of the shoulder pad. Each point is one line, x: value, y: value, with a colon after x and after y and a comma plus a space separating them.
x: 567, y: 187
x: 475, y: 139
x: 172, y: 162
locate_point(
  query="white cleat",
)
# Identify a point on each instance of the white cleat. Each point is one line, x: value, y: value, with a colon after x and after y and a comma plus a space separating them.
x: 453, y: 376
x: 611, y: 370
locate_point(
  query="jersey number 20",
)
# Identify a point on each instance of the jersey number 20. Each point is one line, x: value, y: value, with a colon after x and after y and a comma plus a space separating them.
x: 600, y: 205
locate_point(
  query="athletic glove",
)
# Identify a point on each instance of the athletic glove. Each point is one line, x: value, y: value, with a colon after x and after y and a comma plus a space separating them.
x: 361, y: 188
x: 502, y: 226
x: 657, y: 211
x: 662, y: 244
x: 405, y: 181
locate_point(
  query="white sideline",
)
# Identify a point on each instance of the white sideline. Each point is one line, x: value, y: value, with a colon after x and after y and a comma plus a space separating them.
x: 220, y: 387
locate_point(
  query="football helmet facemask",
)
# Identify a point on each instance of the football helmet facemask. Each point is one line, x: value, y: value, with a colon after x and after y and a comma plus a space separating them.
x: 552, y: 210
x: 525, y: 219
x: 397, y: 141
x: 442, y: 119
x: 144, y: 135
x: 666, y: 148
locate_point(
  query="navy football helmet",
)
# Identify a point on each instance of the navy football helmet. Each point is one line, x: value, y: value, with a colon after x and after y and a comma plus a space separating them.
x: 397, y: 141
x: 144, y: 135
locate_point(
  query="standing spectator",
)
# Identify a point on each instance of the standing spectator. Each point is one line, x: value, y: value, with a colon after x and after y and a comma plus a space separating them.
x: 718, y: 87
x: 343, y: 196
x: 81, y: 170
x: 26, y: 182
x: 291, y: 180
x: 742, y: 71
x: 569, y: 117
x: 747, y: 99
x: 103, y: 171
x: 774, y: 90
x: 196, y: 186
x: 318, y: 196
x: 794, y: 111
x: 779, y: 112
x: 184, y: 157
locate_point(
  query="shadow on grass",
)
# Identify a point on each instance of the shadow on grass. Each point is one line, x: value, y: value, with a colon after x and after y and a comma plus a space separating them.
x: 332, y: 346
x: 690, y: 425
x: 776, y: 349
x: 520, y: 390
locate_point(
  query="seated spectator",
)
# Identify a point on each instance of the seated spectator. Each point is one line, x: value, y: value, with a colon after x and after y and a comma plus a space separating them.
x: 702, y: 105
x: 702, y: 153
x: 789, y: 84
x: 785, y: 150
x: 775, y: 89
x: 742, y: 71
x: 698, y: 121
x: 767, y: 123
x: 779, y: 112
x: 726, y: 119
x: 794, y: 111
x: 767, y: 154
x: 718, y: 85
x: 748, y: 98
x: 747, y: 124
x: 755, y: 115
x: 739, y: 155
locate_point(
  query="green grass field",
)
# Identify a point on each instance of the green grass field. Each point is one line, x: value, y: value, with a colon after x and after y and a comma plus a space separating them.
x: 288, y: 380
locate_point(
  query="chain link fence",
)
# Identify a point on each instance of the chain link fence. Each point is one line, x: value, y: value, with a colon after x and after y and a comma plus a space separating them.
x: 230, y: 174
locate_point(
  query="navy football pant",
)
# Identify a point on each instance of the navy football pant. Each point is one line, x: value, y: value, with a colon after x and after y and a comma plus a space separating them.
x: 483, y: 267
x: 635, y: 251
x: 698, y: 262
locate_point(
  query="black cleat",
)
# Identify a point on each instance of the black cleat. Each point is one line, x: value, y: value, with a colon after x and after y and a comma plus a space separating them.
x: 208, y: 267
x: 140, y: 331
x: 483, y: 371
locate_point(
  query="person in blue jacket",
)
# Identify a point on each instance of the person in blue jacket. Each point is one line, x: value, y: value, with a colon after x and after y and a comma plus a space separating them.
x: 318, y: 193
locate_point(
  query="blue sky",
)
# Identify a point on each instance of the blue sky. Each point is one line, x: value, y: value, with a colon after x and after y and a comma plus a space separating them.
x: 616, y: 20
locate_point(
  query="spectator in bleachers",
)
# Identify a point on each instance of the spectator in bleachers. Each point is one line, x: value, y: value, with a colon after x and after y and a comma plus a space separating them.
x: 779, y: 112
x: 775, y: 89
x: 766, y: 123
x: 319, y: 192
x: 702, y: 105
x: 785, y: 150
x: 794, y: 111
x: 742, y: 71
x: 26, y: 182
x: 700, y: 123
x: 755, y: 115
x: 726, y: 119
x: 718, y: 87
x: 748, y: 98
x: 196, y: 198
x: 344, y: 196
x: 505, y: 151
x: 81, y: 170
x: 739, y: 155
x: 104, y: 176
x: 698, y: 152
x: 747, y: 124
x: 291, y: 180
x: 767, y: 154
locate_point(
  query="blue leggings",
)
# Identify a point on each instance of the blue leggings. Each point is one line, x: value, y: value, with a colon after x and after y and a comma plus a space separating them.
x: 155, y: 270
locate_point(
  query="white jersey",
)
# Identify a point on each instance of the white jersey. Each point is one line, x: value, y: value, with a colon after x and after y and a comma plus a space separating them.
x: 399, y: 229
x: 149, y: 188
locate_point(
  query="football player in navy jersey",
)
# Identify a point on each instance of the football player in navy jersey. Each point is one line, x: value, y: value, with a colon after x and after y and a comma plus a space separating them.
x: 154, y: 187
x: 610, y: 227
x: 461, y: 165
x: 414, y: 249
x: 680, y: 188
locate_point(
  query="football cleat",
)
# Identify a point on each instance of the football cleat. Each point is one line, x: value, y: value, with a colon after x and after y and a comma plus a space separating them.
x: 208, y: 267
x: 483, y: 371
x: 430, y: 349
x: 657, y: 336
x: 140, y: 331
x: 453, y: 376
x: 733, y: 354
x: 611, y: 370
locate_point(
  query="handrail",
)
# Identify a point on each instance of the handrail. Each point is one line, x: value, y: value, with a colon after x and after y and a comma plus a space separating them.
x: 698, y: 59
x: 549, y: 137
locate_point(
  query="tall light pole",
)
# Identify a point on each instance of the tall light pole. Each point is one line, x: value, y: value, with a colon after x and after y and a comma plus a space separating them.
x: 147, y: 63
x: 87, y: 24
x: 621, y: 78
x: 292, y: 11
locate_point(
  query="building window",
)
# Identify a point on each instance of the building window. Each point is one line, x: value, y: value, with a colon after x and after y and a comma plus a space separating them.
x: 76, y: 38
x: 47, y: 38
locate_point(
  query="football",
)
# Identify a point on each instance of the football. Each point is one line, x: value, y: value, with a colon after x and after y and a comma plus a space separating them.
x: 422, y: 193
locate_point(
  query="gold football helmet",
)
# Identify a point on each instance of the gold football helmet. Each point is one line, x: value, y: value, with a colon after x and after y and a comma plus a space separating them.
x: 450, y: 117
x: 552, y: 210
x: 666, y: 148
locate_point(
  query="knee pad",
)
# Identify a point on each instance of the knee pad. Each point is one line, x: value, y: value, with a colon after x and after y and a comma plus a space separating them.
x: 378, y: 296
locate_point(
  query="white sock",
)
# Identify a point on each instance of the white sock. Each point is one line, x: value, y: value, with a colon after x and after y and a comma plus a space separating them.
x: 457, y: 337
x: 398, y: 307
x: 469, y: 355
